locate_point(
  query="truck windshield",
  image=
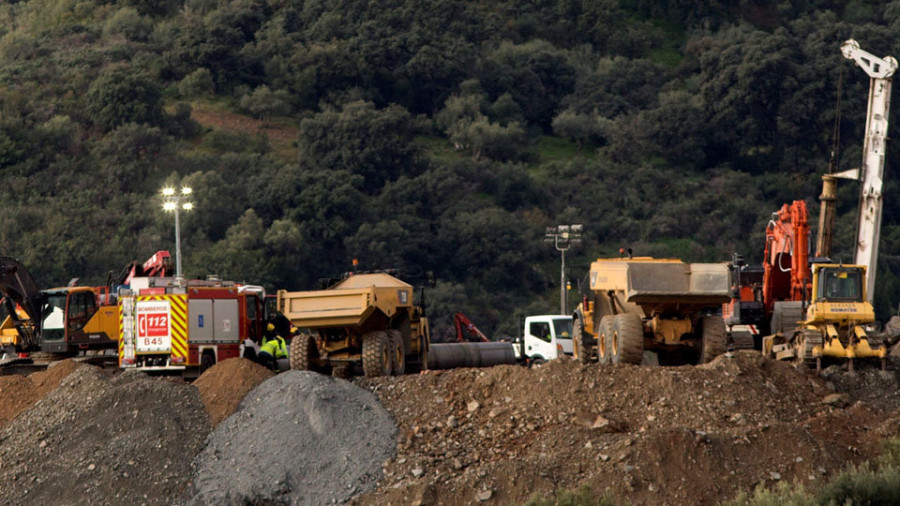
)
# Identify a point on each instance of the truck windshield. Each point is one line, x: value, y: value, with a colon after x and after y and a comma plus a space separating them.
x: 563, y: 328
x: 840, y: 285
x: 53, y: 319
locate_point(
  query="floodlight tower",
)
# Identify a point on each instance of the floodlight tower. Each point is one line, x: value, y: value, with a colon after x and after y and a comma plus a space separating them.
x: 563, y: 237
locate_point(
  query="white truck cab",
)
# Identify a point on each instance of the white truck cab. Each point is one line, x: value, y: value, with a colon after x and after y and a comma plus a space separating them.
x: 545, y: 337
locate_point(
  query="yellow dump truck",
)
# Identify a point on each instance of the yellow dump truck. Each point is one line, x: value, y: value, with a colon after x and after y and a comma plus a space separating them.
x: 365, y: 322
x: 664, y: 306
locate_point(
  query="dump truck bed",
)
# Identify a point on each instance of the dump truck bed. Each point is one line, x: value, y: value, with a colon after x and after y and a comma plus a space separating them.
x: 655, y: 281
x: 348, y: 303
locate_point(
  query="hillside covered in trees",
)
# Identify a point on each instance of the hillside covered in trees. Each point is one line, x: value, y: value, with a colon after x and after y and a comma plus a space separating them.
x: 428, y: 135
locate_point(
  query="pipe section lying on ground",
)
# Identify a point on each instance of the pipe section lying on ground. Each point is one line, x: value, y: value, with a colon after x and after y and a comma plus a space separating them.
x: 453, y: 355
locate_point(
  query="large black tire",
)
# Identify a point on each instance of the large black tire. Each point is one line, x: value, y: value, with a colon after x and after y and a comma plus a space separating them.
x: 398, y: 352
x: 250, y: 353
x: 207, y: 360
x: 714, y: 338
x: 582, y: 345
x: 628, y: 339
x: 605, y: 340
x: 304, y: 352
x: 376, y: 354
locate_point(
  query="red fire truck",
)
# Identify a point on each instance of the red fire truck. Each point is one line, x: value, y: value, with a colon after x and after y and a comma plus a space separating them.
x: 187, y: 327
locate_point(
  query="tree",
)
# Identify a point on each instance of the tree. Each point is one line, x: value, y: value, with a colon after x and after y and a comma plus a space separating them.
x: 121, y: 94
x: 376, y: 144
x: 198, y: 82
x: 580, y: 128
x: 264, y: 103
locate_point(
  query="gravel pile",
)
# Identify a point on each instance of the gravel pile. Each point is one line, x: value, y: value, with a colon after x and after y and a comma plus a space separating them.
x: 298, y: 438
x: 224, y: 385
x: 96, y: 440
x: 19, y: 393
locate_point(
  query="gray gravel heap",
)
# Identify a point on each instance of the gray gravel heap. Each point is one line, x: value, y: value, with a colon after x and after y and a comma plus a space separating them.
x: 95, y: 440
x: 298, y: 438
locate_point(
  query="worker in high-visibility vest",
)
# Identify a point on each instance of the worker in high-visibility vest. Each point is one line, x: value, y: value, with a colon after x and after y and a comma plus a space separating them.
x: 272, y: 349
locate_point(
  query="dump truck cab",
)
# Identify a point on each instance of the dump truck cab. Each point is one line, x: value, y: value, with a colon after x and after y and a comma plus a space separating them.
x: 544, y: 337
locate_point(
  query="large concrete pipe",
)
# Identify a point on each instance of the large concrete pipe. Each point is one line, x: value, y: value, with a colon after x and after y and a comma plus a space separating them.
x: 453, y: 355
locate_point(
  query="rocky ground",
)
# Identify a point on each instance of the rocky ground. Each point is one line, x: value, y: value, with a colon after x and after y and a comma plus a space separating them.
x: 647, y: 435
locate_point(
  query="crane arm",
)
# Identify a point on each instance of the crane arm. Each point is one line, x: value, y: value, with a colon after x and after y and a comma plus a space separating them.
x: 465, y: 327
x: 880, y: 71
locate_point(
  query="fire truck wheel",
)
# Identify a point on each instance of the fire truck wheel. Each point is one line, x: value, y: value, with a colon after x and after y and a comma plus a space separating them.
x: 376, y: 355
x: 714, y: 338
x: 628, y: 339
x: 207, y: 360
x: 605, y: 340
x: 303, y: 352
x: 398, y: 353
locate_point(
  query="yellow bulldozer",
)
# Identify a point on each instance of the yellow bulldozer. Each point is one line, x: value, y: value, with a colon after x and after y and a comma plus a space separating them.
x: 834, y: 322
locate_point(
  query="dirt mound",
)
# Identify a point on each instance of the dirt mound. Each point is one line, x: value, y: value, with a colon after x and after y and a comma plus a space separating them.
x: 19, y: 393
x: 299, y: 438
x: 96, y: 440
x: 223, y: 386
x: 648, y: 435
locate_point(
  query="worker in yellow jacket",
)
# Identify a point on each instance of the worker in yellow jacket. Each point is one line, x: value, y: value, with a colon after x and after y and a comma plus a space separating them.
x: 272, y: 349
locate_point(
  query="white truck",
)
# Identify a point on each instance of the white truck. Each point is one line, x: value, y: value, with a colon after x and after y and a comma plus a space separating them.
x: 544, y: 338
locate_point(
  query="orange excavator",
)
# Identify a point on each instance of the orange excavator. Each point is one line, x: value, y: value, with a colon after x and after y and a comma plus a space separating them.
x: 783, y: 281
x: 786, y: 271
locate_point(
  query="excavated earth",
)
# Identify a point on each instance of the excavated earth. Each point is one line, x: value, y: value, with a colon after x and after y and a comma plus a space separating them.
x: 646, y: 435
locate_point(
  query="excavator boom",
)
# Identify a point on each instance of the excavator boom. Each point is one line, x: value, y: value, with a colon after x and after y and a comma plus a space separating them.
x: 17, y: 285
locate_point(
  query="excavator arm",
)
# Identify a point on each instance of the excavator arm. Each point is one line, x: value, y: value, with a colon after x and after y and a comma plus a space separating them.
x: 17, y: 284
x: 19, y: 289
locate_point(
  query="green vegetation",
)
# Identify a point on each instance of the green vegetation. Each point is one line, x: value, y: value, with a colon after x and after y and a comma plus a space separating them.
x: 430, y: 135
x: 583, y: 496
x: 870, y: 483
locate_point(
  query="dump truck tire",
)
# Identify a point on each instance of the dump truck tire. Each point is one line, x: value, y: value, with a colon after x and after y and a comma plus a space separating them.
x: 398, y: 353
x: 303, y: 352
x: 714, y: 338
x: 376, y: 356
x: 581, y: 342
x: 604, y: 340
x: 628, y: 339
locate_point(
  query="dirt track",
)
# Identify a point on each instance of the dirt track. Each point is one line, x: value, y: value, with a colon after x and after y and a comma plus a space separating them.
x: 648, y: 435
